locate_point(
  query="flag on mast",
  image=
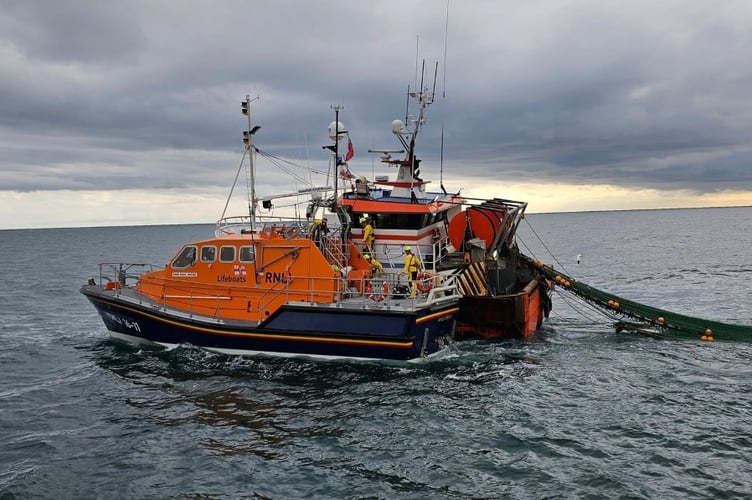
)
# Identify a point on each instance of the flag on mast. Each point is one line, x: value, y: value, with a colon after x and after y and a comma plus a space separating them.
x: 350, y: 149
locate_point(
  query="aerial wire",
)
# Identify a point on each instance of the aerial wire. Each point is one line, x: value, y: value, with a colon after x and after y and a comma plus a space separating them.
x: 443, y: 101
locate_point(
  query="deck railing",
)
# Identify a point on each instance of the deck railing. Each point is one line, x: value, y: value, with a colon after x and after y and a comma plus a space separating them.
x: 122, y: 273
x: 201, y: 298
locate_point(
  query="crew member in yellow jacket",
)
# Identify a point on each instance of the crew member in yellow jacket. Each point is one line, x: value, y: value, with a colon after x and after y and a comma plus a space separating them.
x: 368, y: 236
x: 412, y: 266
x: 376, y: 267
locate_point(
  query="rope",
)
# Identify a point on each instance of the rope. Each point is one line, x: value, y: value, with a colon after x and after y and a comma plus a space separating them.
x: 544, y: 245
x: 281, y: 164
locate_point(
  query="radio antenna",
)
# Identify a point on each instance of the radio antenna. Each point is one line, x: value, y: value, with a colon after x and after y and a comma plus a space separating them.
x: 443, y: 100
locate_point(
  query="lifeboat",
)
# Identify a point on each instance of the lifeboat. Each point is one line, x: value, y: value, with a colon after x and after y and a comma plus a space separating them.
x: 277, y: 288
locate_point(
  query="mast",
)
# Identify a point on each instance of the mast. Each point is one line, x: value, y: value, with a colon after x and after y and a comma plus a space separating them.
x: 248, y: 141
x: 408, y: 132
x: 336, y: 133
x: 336, y: 108
x: 409, y: 183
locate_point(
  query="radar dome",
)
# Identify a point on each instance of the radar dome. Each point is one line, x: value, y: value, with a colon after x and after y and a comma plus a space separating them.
x: 335, y: 127
x: 398, y: 127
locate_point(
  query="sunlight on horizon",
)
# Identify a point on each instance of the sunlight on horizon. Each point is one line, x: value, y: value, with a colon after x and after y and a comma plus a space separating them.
x: 49, y: 209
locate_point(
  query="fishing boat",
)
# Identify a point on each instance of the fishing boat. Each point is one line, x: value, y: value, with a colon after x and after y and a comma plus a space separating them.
x: 472, y: 239
x: 274, y: 287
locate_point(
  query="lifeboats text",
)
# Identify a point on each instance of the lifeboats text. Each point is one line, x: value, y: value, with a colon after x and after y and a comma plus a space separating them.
x: 226, y: 278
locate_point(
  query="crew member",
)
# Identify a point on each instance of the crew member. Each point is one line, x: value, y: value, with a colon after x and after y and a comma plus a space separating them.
x: 412, y: 266
x: 368, y: 236
x: 376, y: 267
x: 319, y: 233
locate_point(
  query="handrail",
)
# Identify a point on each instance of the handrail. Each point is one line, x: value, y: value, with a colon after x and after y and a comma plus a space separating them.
x: 237, y: 224
x: 437, y: 251
x: 121, y: 271
x: 284, y: 288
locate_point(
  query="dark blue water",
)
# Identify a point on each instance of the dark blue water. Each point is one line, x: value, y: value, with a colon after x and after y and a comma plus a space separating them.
x: 576, y: 412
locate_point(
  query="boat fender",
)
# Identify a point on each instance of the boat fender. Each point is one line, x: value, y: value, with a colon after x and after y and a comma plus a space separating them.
x: 375, y: 297
x: 424, y: 281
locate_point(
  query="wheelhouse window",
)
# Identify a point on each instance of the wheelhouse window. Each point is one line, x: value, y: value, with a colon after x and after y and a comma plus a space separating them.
x: 401, y: 221
x: 247, y: 254
x: 227, y: 254
x: 185, y: 258
x: 208, y: 254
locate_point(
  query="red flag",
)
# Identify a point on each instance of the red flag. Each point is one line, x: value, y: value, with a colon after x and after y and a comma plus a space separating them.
x: 350, y: 150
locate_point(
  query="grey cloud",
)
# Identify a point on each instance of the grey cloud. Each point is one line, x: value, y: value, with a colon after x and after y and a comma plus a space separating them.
x: 73, y: 31
x: 101, y: 95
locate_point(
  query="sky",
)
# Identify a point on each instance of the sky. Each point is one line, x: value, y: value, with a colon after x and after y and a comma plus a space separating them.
x: 128, y: 112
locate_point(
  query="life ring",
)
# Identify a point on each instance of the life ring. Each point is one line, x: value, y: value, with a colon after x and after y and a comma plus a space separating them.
x: 424, y: 281
x: 375, y: 297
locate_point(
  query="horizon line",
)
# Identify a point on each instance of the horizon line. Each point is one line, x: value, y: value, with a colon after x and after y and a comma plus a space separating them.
x: 527, y: 213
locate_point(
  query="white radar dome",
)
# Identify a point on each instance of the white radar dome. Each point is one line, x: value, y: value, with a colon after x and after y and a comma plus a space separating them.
x: 398, y: 127
x: 334, y: 127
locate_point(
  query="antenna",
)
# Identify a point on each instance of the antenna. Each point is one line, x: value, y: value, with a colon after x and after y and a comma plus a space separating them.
x: 443, y: 100
x: 422, y: 75
x: 435, y: 73
x: 407, y: 104
x: 417, y: 52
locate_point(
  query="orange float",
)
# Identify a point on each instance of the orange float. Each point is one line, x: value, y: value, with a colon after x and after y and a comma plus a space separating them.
x: 424, y: 281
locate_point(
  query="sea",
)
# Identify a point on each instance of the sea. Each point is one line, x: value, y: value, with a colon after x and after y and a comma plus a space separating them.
x: 576, y: 411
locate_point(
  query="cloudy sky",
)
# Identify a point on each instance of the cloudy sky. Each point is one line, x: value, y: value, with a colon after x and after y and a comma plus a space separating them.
x: 128, y: 112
